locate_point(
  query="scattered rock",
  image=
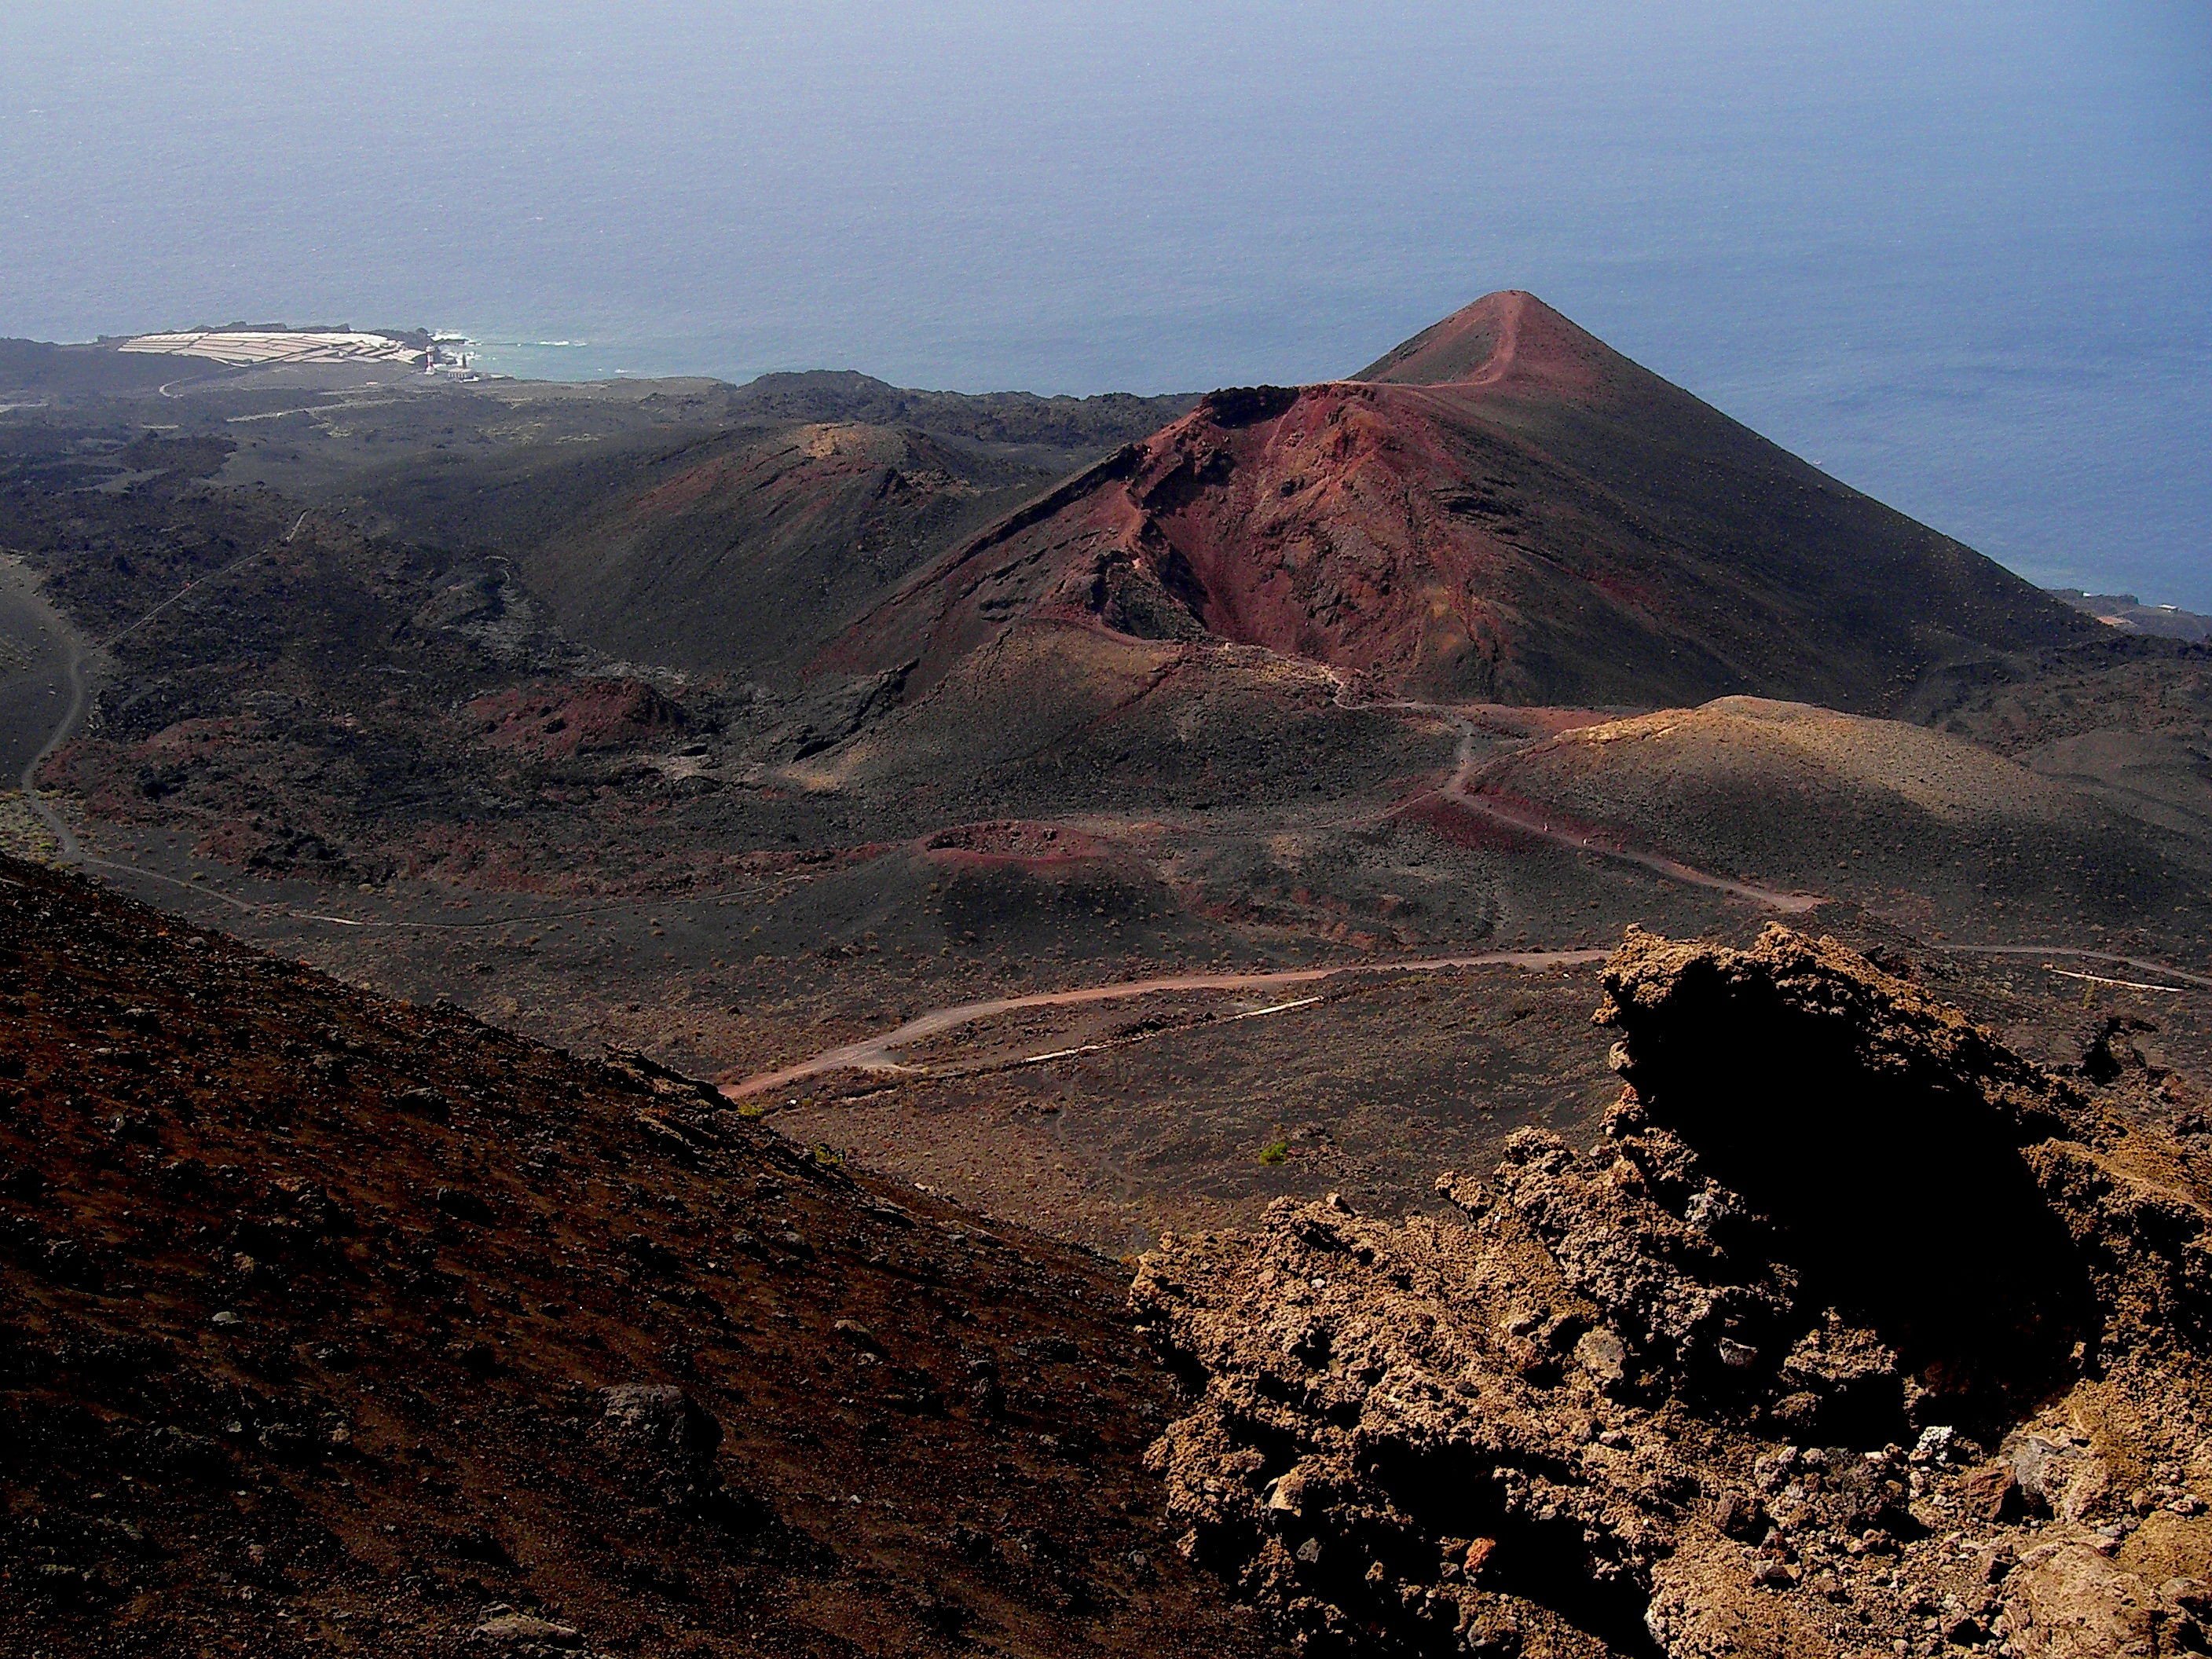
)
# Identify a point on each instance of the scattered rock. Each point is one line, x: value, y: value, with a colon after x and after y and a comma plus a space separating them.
x: 1603, y: 1356
x: 463, y: 1205
x: 515, y: 1630
x: 658, y: 1421
x: 1990, y: 1492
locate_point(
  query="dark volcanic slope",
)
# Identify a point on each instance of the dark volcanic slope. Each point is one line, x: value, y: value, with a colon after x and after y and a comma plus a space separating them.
x: 35, y: 367
x: 747, y: 552
x: 1502, y: 507
x: 726, y: 529
x: 330, y: 1324
x: 997, y: 417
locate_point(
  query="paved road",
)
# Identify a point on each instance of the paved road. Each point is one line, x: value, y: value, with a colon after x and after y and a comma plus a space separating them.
x: 873, y: 1054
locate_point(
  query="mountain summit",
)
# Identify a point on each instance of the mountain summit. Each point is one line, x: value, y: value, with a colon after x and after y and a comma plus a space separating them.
x: 1504, y: 336
x: 1502, y: 507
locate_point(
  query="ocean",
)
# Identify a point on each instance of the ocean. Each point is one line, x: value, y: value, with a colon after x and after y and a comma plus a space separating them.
x: 1958, y: 254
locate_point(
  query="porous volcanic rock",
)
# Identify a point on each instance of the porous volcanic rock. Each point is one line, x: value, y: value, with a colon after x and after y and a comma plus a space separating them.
x: 1856, y: 1333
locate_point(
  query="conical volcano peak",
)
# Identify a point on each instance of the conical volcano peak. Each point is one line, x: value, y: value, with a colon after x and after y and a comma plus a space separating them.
x: 1502, y: 509
x: 1506, y: 337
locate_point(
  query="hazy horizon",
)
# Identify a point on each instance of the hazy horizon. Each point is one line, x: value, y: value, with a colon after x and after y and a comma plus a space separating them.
x: 1960, y: 257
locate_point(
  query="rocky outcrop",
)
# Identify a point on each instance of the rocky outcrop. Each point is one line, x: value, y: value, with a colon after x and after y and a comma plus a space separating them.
x: 1857, y: 1333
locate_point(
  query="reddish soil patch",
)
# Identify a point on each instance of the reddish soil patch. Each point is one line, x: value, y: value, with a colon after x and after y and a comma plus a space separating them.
x: 687, y: 489
x: 1537, y: 721
x: 552, y: 721
x: 1014, y: 841
x: 1588, y: 832
x: 1501, y: 338
x: 1453, y: 822
x: 195, y: 739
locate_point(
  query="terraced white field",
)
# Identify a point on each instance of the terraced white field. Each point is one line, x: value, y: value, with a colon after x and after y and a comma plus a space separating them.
x: 242, y: 347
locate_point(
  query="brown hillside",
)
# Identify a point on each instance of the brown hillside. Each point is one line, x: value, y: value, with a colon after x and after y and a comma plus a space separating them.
x: 746, y: 552
x: 1502, y: 507
x: 330, y: 1324
x: 1870, y: 808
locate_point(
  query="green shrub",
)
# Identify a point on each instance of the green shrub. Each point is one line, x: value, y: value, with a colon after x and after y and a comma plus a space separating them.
x: 1275, y: 1153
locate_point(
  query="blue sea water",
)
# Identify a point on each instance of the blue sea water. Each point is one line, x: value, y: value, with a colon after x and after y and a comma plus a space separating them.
x: 1959, y: 254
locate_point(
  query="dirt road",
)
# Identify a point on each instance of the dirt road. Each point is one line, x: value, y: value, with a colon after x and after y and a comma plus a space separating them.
x: 2141, y: 965
x: 873, y: 1054
x: 1530, y: 820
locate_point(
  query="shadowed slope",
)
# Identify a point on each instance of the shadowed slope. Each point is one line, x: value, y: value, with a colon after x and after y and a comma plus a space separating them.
x: 712, y: 528
x: 747, y: 552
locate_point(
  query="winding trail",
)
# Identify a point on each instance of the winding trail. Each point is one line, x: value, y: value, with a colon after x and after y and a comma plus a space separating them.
x: 64, y: 837
x: 2141, y: 965
x: 72, y: 851
x: 1459, y: 790
x: 873, y: 1054
x: 114, y: 640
